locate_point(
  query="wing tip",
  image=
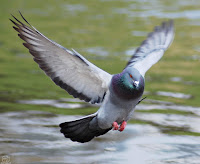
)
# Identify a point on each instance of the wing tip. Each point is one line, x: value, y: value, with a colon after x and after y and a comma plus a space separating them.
x: 24, y: 19
x: 20, y: 22
x: 166, y: 27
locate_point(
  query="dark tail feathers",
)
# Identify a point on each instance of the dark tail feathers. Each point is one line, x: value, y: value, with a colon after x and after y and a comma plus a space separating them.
x: 82, y: 130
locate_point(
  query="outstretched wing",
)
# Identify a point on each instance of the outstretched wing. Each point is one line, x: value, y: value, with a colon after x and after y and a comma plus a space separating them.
x: 153, y: 48
x: 68, y: 69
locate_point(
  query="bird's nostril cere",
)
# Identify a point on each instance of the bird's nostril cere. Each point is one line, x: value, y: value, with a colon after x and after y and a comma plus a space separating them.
x: 136, y: 83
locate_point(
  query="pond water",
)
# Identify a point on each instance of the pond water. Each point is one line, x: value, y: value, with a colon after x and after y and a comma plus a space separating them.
x: 34, y: 137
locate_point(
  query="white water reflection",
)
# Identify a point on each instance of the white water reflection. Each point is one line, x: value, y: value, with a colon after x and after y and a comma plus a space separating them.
x: 176, y: 79
x: 172, y: 10
x: 195, y: 110
x: 174, y: 94
x: 190, y: 14
x: 34, y: 136
x: 74, y: 8
x: 99, y: 51
x: 179, y: 79
x: 193, y: 57
x: 173, y: 120
x: 162, y: 149
x: 57, y: 103
x: 140, y: 33
x: 130, y: 52
x: 76, y: 103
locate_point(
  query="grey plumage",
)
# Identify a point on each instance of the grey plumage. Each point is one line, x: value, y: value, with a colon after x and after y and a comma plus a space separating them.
x: 119, y: 93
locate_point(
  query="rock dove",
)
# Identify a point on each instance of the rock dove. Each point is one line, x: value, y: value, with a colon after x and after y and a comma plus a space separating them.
x: 118, y: 93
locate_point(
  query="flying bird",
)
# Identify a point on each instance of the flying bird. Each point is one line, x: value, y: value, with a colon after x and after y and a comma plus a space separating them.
x: 118, y: 93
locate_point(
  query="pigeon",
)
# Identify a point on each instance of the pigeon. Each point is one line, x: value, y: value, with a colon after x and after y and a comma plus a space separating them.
x: 118, y: 94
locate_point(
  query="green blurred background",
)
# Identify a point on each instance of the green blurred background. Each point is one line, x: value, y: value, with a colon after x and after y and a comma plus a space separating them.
x: 106, y: 33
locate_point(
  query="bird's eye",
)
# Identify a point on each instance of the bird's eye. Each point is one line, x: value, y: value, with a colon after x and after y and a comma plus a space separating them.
x: 131, y: 76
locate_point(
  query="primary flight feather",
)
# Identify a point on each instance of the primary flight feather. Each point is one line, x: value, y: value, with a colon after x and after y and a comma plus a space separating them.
x: 118, y: 94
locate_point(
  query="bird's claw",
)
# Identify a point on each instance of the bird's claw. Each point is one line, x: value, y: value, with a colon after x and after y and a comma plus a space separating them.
x: 117, y: 127
x: 122, y: 126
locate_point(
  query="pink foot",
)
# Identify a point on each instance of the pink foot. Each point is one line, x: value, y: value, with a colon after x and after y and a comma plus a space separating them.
x: 122, y: 126
x: 115, y: 126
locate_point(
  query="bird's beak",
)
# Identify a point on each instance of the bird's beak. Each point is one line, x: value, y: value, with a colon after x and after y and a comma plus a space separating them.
x: 136, y: 83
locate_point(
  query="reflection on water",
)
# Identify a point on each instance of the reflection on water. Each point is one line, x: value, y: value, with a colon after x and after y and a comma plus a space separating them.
x: 99, y: 51
x: 193, y: 14
x: 174, y: 121
x: 34, y: 137
x: 75, y: 7
x: 152, y: 104
x: 179, y: 79
x: 140, y: 33
x: 174, y: 94
x: 160, y: 10
x: 55, y: 103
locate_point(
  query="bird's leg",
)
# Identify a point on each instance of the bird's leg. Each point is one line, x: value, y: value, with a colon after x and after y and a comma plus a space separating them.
x: 115, y: 126
x: 122, y: 126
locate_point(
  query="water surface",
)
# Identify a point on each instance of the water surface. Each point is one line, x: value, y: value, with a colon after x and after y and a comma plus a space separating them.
x: 34, y: 137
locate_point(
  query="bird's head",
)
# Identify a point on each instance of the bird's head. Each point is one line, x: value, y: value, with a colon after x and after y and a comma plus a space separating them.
x: 132, y: 78
x: 129, y: 84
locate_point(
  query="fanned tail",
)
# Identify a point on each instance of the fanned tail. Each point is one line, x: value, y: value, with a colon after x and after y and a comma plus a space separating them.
x: 82, y: 130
